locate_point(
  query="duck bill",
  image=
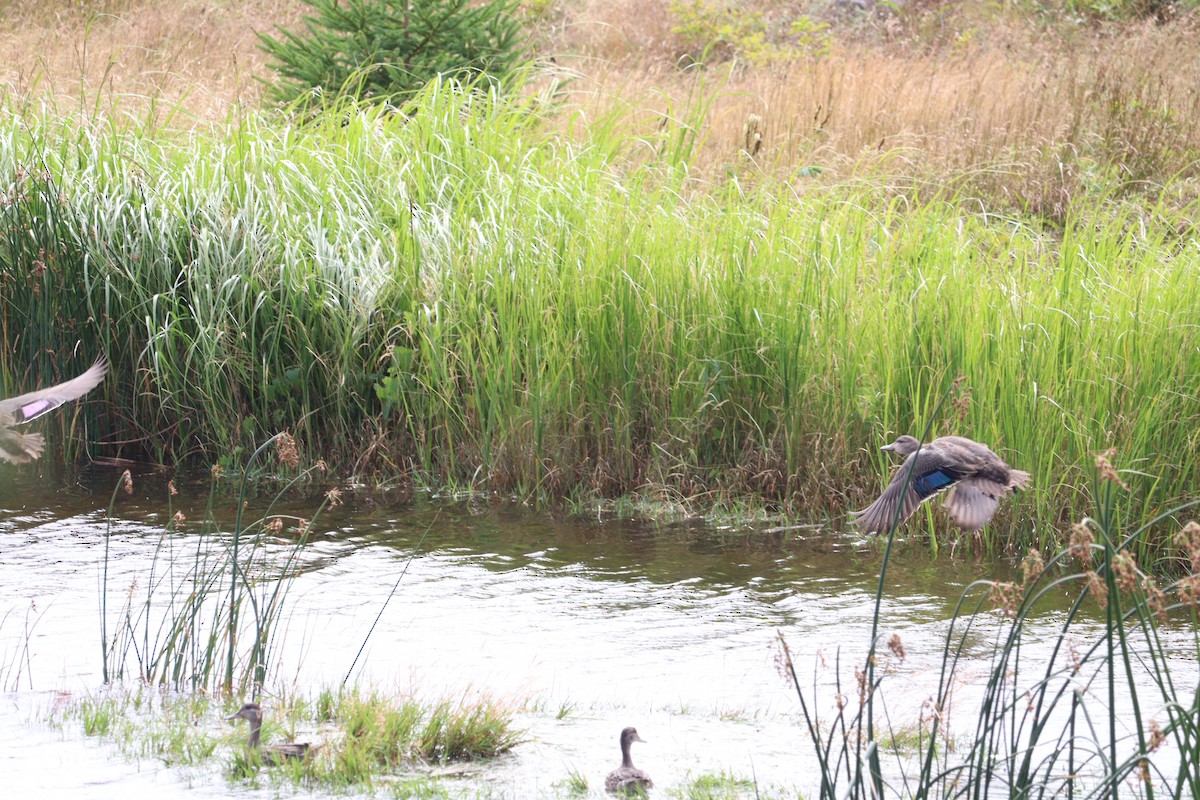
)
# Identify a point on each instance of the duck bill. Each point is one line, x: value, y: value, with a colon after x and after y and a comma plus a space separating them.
x: 889, y: 447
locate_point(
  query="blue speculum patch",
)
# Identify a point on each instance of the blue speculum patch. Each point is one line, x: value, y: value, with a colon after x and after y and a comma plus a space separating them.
x: 934, y: 481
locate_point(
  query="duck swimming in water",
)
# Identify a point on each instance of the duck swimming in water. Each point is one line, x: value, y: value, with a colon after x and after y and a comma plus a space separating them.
x: 627, y: 777
x: 977, y: 477
x: 21, y: 448
x: 274, y: 754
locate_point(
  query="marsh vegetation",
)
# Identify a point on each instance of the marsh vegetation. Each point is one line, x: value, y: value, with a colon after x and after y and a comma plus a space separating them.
x: 705, y: 260
x: 561, y: 288
x: 369, y: 740
x: 457, y: 294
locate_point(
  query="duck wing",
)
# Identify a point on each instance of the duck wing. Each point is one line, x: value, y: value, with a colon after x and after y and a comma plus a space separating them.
x: 277, y: 754
x: 933, y: 471
x: 973, y: 502
x: 624, y: 779
x: 32, y: 405
x: 19, y: 448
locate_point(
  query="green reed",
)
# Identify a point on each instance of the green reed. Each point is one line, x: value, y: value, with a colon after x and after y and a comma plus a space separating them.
x: 1105, y: 714
x: 459, y: 292
x: 207, y: 615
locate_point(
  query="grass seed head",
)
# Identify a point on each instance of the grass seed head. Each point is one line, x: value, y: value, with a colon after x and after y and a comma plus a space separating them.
x: 1032, y: 566
x: 1106, y: 470
x: 1156, y: 598
x: 1081, y: 543
x: 1098, y: 588
x: 1189, y: 540
x: 1003, y: 596
x: 286, y: 450
x: 961, y: 405
x: 1157, y: 737
x: 1188, y: 590
x: 752, y: 135
x: 1125, y: 571
x: 1075, y: 658
x: 783, y: 659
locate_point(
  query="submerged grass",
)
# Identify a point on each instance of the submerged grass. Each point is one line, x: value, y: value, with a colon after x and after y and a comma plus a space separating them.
x: 146, y: 724
x: 364, y: 740
x: 457, y: 293
x: 716, y: 786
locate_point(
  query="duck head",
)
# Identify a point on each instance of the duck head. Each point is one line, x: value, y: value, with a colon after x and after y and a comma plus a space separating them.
x: 250, y: 711
x: 903, y: 445
x: 629, y: 736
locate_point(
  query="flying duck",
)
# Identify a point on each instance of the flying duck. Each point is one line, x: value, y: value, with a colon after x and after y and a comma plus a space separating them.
x: 977, y: 478
x: 21, y: 448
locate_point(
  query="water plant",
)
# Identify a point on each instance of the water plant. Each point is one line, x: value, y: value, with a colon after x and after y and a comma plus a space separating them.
x: 143, y: 723
x: 574, y: 785
x: 375, y: 734
x: 716, y: 786
x: 368, y: 739
x: 209, y: 619
x: 15, y: 661
x: 1104, y: 715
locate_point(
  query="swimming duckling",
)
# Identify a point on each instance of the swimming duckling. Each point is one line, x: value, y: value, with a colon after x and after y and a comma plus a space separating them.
x: 978, y: 477
x: 627, y: 777
x: 271, y: 755
x: 21, y: 448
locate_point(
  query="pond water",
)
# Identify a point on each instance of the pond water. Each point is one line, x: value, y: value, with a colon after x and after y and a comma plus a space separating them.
x: 587, y: 625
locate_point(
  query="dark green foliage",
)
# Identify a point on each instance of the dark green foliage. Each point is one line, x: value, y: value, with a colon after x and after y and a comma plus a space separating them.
x: 382, y: 48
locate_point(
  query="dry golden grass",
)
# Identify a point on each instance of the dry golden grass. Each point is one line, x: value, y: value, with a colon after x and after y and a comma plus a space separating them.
x: 944, y: 96
x: 1008, y: 114
x: 127, y: 54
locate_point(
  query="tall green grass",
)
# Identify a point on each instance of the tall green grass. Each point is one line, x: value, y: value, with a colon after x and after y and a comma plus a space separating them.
x: 460, y: 292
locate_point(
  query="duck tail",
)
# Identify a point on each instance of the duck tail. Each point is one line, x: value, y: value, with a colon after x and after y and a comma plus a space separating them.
x: 1018, y: 479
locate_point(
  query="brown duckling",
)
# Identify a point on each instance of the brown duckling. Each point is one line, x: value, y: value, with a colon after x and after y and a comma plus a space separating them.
x: 273, y: 754
x: 627, y: 777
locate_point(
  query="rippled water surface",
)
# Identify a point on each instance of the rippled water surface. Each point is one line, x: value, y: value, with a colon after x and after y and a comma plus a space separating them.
x: 590, y: 625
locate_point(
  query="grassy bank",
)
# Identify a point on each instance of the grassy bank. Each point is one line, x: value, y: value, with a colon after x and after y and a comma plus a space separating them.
x: 464, y: 294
